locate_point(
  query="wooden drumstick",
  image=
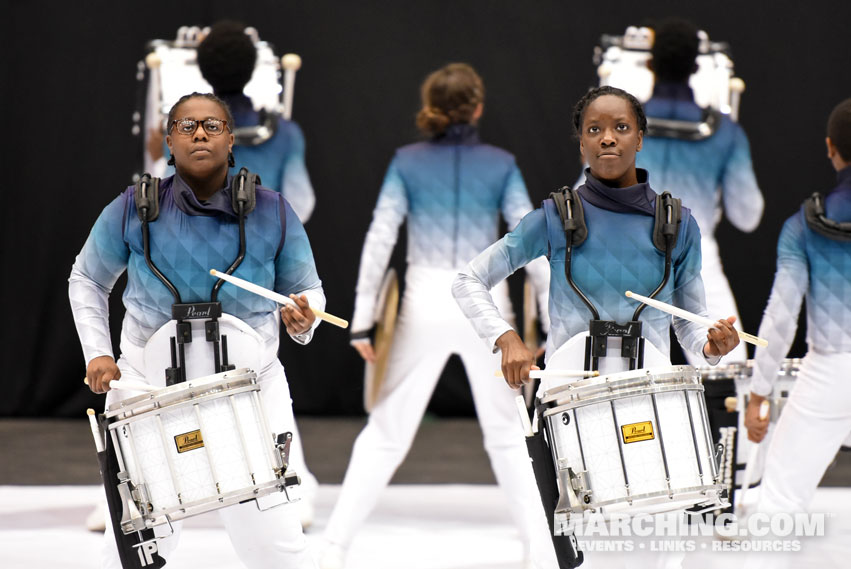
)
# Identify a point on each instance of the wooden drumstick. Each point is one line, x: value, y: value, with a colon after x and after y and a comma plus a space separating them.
x: 764, y: 408
x: 691, y: 317
x: 127, y: 384
x: 280, y: 298
x: 543, y: 373
x: 524, y: 416
x: 95, y: 430
x: 291, y: 63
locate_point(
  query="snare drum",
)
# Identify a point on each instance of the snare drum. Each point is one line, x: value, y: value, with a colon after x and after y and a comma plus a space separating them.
x: 634, y: 442
x: 196, y: 446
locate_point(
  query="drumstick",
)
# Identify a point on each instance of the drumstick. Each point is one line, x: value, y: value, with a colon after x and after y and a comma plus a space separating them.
x: 127, y: 384
x: 543, y: 373
x: 686, y: 315
x: 524, y: 416
x: 280, y: 298
x: 95, y: 430
x: 764, y: 408
x: 291, y: 63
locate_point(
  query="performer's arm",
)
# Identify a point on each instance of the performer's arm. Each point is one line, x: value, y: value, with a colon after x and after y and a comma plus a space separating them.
x: 515, y: 205
x: 780, y: 319
x: 690, y: 295
x: 743, y: 202
x: 295, y: 274
x: 472, y: 286
x: 295, y: 182
x: 380, y: 239
x: 94, y: 273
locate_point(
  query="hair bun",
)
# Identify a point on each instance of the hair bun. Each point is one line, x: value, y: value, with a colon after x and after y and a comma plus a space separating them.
x: 433, y: 121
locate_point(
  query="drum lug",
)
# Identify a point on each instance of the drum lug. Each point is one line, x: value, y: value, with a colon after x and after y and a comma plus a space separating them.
x: 131, y: 518
x: 574, y: 486
x: 283, y: 445
x: 142, y: 498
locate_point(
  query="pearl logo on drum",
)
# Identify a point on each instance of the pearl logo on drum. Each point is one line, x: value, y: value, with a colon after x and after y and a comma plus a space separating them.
x: 189, y: 441
x: 636, y: 432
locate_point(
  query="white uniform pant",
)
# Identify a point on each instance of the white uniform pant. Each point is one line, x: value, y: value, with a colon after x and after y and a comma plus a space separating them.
x: 719, y: 300
x: 430, y: 328
x: 815, y: 422
x: 272, y: 539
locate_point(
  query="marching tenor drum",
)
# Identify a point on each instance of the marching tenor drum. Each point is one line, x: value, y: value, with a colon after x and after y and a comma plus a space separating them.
x: 197, y: 446
x: 632, y: 442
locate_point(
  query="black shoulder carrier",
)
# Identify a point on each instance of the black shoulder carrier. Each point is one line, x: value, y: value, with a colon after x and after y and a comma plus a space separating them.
x: 665, y: 230
x: 693, y: 131
x: 819, y: 222
x: 244, y: 200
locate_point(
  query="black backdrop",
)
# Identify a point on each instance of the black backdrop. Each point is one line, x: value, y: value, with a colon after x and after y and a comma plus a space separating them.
x: 68, y: 92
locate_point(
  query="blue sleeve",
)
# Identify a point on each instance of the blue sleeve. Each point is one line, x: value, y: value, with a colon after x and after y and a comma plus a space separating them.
x: 295, y: 182
x: 743, y: 202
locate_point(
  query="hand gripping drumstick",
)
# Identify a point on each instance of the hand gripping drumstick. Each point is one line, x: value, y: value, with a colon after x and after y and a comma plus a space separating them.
x: 542, y: 373
x: 128, y: 384
x: 686, y: 315
x: 279, y: 298
x: 291, y: 63
x: 764, y: 408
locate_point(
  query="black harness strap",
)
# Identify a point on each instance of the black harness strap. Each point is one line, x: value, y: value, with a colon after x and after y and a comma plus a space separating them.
x: 708, y: 125
x: 818, y: 221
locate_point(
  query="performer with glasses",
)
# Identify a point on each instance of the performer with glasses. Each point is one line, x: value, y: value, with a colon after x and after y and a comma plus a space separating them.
x: 813, y: 263
x: 710, y: 171
x: 452, y: 188
x: 167, y: 242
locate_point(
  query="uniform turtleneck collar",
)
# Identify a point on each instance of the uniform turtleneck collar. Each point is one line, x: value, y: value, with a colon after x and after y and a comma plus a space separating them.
x: 639, y: 198
x: 458, y: 133
x: 188, y: 203
x: 673, y: 90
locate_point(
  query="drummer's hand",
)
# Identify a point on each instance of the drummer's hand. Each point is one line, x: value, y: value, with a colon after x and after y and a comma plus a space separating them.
x: 154, y: 146
x: 721, y: 338
x: 364, y: 348
x: 100, y: 371
x: 517, y: 359
x: 299, y: 318
x: 757, y: 428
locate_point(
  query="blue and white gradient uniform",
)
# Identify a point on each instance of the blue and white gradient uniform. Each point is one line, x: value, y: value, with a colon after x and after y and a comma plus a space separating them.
x: 711, y: 176
x: 186, y: 240
x: 817, y: 417
x: 279, y: 161
x: 617, y: 256
x: 452, y: 190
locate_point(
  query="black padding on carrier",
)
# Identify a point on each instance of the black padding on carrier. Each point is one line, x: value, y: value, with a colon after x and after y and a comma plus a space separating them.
x: 572, y: 214
x: 817, y: 220
x: 243, y: 188
x: 663, y: 227
x: 146, y: 193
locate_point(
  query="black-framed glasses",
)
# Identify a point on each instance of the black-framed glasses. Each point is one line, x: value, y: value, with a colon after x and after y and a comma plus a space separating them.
x: 187, y: 127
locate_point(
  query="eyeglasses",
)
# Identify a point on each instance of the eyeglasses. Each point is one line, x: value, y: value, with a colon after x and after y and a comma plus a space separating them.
x: 187, y: 127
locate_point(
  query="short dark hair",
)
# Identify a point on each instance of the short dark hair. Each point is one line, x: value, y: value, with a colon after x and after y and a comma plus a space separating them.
x: 674, y: 51
x: 226, y: 57
x: 594, y: 93
x: 839, y: 129
x: 172, y: 113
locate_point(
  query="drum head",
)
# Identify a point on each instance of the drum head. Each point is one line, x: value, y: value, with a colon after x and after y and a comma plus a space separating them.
x: 386, y: 310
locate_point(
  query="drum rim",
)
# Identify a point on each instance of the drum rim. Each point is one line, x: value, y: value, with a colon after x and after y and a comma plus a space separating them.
x: 571, y: 405
x: 703, y: 489
x: 622, y: 384
x: 182, y: 392
x: 215, y: 502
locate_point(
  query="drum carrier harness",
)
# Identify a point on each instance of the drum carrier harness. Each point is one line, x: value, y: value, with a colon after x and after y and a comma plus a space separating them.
x: 665, y: 230
x: 818, y: 221
x: 243, y: 200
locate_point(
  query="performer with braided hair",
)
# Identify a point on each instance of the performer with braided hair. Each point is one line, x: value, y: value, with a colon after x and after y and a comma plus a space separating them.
x: 452, y: 188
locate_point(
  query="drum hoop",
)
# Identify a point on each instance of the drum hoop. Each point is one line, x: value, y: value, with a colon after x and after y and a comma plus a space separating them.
x: 189, y: 509
x: 622, y: 379
x: 152, y: 403
x: 742, y: 370
x: 615, y: 396
x: 660, y: 494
